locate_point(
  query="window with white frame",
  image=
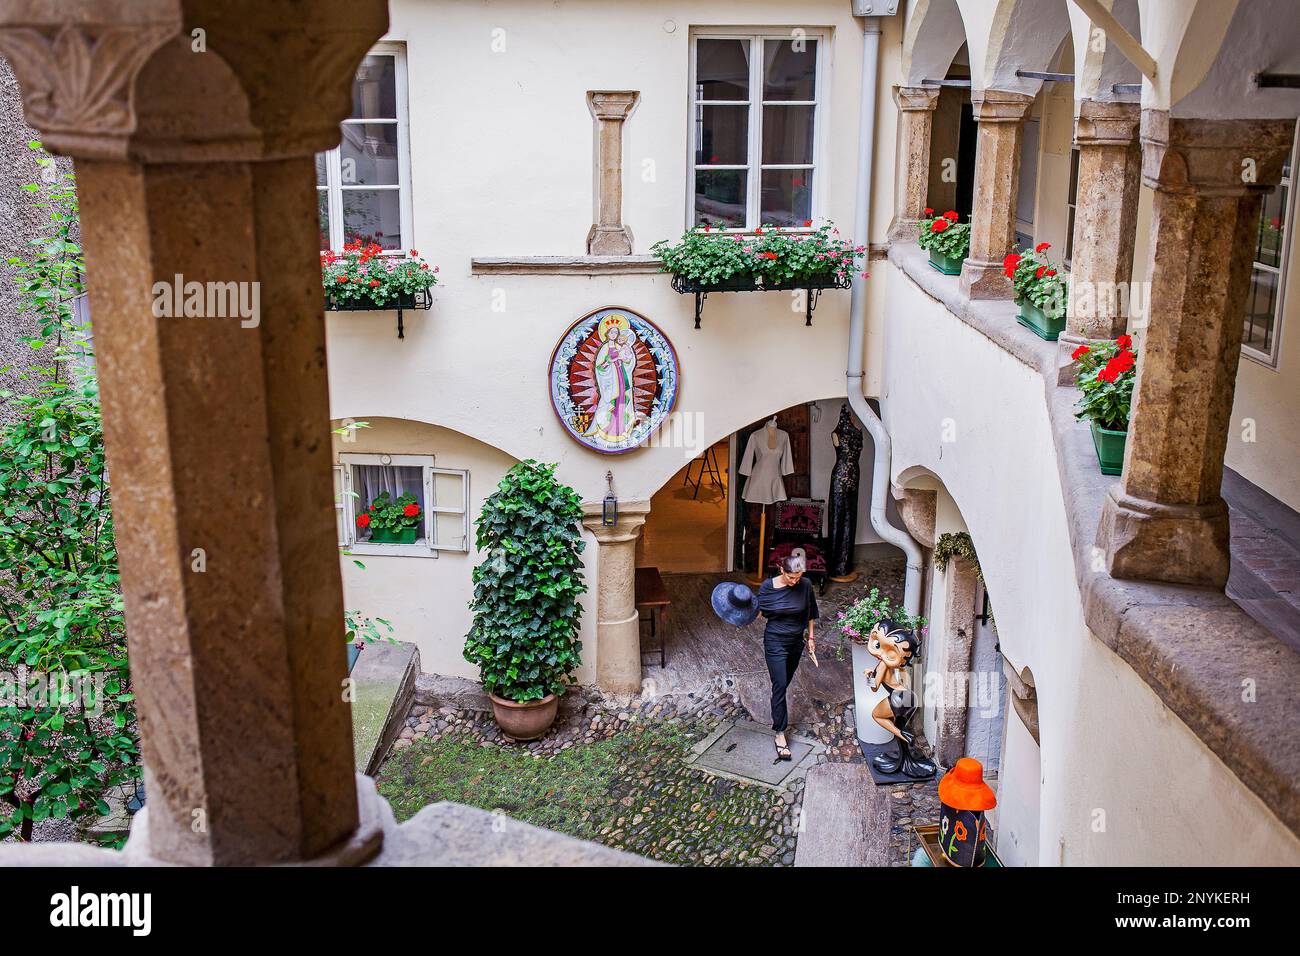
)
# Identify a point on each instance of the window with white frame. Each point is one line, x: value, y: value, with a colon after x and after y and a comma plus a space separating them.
x: 1264, y: 302
x: 363, y: 186
x: 442, y: 495
x: 755, y: 131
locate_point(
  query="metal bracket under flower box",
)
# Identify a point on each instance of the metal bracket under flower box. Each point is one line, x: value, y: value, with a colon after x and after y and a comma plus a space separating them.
x: 701, y: 290
x: 411, y: 300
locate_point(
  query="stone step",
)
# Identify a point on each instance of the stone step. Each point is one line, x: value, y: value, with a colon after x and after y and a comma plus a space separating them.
x: 845, y: 820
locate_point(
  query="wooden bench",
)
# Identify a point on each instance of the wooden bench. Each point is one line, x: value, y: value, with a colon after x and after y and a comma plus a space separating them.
x: 652, y: 597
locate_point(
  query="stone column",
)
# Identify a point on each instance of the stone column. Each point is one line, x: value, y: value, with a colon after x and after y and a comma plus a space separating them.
x: 197, y: 188
x: 962, y: 585
x: 1165, y: 520
x: 915, y: 116
x: 608, y: 236
x: 1105, y: 223
x: 1000, y: 115
x: 618, y: 630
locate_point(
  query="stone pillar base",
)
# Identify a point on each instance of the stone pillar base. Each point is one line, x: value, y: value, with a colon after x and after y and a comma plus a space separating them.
x: 982, y: 279
x: 609, y: 241
x: 903, y: 229
x: 1066, y: 367
x: 1180, y: 544
x: 618, y: 662
x: 356, y: 849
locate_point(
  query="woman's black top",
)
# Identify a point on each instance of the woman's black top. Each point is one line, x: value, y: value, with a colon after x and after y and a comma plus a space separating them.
x: 788, y: 610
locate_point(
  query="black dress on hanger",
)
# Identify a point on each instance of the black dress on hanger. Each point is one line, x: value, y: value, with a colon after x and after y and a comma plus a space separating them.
x: 843, y: 497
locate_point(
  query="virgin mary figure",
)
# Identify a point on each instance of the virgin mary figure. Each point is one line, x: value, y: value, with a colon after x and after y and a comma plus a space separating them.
x: 614, y: 364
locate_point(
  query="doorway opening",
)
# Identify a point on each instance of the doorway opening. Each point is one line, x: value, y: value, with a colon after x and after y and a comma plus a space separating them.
x: 686, y: 530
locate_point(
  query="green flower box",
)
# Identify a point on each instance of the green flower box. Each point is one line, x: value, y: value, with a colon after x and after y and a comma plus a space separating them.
x: 1110, y: 448
x: 948, y: 265
x: 1042, y: 324
x: 394, y: 536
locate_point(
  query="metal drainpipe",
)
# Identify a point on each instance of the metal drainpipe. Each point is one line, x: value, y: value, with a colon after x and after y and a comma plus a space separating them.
x: 864, y: 699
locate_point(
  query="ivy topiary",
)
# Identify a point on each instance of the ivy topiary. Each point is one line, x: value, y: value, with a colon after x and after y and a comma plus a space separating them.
x: 524, y: 638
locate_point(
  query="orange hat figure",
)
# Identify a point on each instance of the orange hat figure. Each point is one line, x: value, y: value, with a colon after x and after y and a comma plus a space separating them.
x: 963, y: 798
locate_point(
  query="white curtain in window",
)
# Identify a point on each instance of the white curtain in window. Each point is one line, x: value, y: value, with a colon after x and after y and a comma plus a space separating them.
x: 397, y: 480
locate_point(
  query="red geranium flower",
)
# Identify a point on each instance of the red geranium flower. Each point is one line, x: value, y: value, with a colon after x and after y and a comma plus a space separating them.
x: 950, y: 215
x: 414, y: 253
x: 758, y: 232
x: 343, y: 278
x: 1108, y: 374
x: 807, y: 223
x: 1125, y: 341
x: 929, y: 211
x: 1038, y: 273
x: 1050, y: 272
x: 939, y: 225
x: 1079, y: 353
x: 1124, y: 360
x: 411, y: 510
x: 363, y: 521
x: 374, y: 282
x: 767, y: 255
x: 1009, y: 264
x: 1042, y: 247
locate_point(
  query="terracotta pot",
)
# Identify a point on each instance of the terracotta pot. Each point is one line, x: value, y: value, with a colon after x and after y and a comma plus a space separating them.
x: 526, y: 720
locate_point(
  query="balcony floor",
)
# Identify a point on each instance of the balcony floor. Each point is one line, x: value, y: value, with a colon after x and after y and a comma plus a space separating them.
x: 1265, y: 575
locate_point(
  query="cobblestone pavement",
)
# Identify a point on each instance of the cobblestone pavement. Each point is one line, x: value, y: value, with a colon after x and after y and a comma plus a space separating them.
x: 611, y: 771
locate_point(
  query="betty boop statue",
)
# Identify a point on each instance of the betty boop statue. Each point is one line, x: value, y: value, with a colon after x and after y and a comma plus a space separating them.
x: 895, y: 647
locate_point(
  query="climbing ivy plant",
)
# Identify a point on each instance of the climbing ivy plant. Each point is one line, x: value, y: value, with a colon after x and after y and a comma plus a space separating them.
x: 67, y: 721
x: 956, y: 544
x: 524, y: 637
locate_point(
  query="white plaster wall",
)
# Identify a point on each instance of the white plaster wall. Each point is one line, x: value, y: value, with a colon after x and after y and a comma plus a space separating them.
x: 427, y: 599
x: 501, y: 152
x: 1153, y: 782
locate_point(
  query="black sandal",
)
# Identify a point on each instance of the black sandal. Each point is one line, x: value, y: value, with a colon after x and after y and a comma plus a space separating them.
x: 782, y: 753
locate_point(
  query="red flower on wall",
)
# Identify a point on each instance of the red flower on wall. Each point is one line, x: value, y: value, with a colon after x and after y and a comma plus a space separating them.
x: 1038, y: 273
x: 1042, y: 247
x: 939, y: 225
x: 363, y: 521
x: 929, y: 211
x: 1125, y: 341
x: 1124, y: 360
x: 1009, y: 264
x: 1079, y: 353
x: 950, y: 215
x: 411, y: 510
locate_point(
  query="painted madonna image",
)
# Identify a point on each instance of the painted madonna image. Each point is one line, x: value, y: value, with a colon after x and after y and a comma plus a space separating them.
x: 613, y: 380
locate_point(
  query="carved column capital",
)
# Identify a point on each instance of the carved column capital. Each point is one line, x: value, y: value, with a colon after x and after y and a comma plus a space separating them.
x: 611, y: 105
x: 175, y: 81
x: 1103, y: 123
x: 914, y: 99
x: 1000, y: 106
x: 1230, y: 157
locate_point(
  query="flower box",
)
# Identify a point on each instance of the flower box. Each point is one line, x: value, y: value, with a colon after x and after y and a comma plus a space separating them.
x: 772, y: 259
x: 394, y: 535
x: 1109, y: 445
x: 1044, y: 325
x: 404, y: 300
x: 948, y: 265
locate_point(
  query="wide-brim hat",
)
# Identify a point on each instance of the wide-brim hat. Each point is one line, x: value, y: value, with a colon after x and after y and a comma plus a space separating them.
x: 735, y: 603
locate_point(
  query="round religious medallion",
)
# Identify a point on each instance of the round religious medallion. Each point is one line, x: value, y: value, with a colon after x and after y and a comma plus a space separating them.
x: 613, y: 380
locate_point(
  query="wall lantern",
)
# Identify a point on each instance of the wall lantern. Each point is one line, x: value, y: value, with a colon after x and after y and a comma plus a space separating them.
x: 609, y: 511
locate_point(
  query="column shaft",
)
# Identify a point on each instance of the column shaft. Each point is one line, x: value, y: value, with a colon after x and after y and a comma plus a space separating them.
x: 1000, y: 116
x: 1165, y: 520
x: 1105, y: 224
x: 915, y: 119
x: 618, y: 630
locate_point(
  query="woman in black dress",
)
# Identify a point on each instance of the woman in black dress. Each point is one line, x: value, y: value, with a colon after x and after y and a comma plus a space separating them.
x: 790, y: 606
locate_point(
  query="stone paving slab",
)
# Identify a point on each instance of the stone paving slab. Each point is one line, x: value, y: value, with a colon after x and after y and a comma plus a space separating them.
x: 846, y: 819
x: 383, y: 688
x: 745, y: 751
